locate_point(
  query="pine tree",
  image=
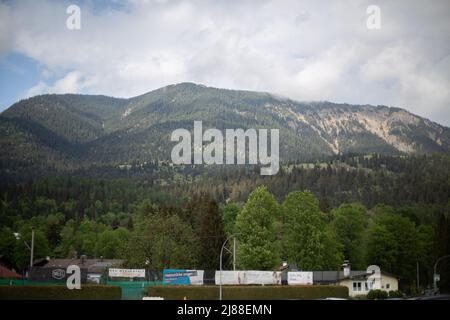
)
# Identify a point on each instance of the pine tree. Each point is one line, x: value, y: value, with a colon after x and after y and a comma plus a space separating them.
x: 443, y: 248
x: 210, y: 230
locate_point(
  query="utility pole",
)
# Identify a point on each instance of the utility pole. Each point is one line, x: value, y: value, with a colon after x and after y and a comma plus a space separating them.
x: 221, y: 254
x: 32, y: 248
x: 418, y: 286
x: 234, y: 253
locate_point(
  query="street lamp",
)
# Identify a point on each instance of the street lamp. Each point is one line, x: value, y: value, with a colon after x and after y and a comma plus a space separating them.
x: 31, y: 248
x: 434, y: 273
x: 234, y: 236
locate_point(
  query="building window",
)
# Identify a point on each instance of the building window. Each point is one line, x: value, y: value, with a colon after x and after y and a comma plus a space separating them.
x: 388, y: 285
x: 357, y: 286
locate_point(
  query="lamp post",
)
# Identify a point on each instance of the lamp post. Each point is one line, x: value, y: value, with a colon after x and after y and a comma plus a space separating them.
x: 31, y: 248
x: 434, y: 271
x: 234, y: 236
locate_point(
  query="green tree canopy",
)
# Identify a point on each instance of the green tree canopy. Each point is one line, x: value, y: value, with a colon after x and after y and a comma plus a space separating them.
x: 257, y: 248
x: 230, y: 213
x: 393, y: 245
x: 349, y: 224
x: 209, y: 227
x: 308, y: 241
x: 162, y: 241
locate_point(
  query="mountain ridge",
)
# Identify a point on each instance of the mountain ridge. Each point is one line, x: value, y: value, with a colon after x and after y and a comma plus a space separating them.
x: 73, y: 130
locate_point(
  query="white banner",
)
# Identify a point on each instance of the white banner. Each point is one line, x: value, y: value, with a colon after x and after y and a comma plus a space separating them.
x: 228, y: 277
x: 198, y: 279
x: 126, y: 273
x: 262, y: 277
x: 301, y: 277
x: 249, y: 277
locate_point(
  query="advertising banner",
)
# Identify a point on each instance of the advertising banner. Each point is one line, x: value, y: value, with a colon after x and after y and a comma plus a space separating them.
x: 53, y: 274
x: 228, y: 277
x: 126, y: 273
x: 300, y: 277
x: 249, y: 277
x: 182, y: 276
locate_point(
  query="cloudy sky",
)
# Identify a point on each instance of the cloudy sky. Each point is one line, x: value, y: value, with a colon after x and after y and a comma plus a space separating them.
x: 305, y: 50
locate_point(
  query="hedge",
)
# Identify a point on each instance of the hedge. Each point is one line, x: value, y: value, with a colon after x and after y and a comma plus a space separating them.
x: 395, y: 294
x: 377, y: 295
x: 247, y: 292
x: 59, y: 292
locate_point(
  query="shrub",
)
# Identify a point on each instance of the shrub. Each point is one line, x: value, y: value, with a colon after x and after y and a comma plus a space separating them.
x: 395, y: 294
x: 377, y: 294
x: 247, y: 292
x: 59, y: 292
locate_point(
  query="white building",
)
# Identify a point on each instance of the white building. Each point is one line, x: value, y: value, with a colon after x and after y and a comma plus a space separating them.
x: 358, y: 282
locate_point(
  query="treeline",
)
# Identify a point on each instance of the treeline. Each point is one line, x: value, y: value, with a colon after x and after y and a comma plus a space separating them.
x: 389, y: 211
x: 297, y: 231
x: 189, y: 234
x: 371, y: 179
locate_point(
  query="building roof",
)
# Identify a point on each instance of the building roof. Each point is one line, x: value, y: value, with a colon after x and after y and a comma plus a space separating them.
x: 5, y: 273
x: 4, y: 261
x: 336, y: 276
x: 92, y: 265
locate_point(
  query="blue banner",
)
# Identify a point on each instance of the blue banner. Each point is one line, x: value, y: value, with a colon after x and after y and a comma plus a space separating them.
x: 179, y: 276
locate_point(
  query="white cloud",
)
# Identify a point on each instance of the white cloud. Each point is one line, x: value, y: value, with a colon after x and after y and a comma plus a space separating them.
x: 71, y: 83
x: 306, y: 50
x: 5, y: 28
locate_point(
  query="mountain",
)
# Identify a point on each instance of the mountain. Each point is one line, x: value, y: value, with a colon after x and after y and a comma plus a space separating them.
x: 59, y: 132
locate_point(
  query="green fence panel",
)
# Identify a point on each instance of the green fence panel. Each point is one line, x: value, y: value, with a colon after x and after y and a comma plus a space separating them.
x: 24, y: 282
x: 133, y: 290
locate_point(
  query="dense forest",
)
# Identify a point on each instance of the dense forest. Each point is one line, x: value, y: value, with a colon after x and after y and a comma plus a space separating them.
x: 384, y: 210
